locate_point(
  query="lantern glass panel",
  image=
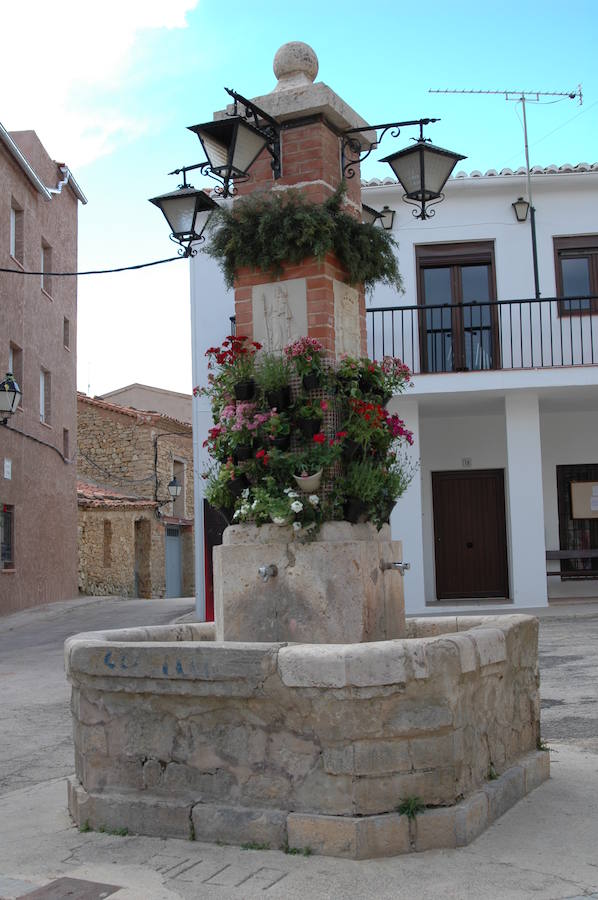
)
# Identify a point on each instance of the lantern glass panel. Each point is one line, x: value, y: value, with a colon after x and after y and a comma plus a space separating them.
x: 248, y: 146
x: 215, y: 148
x: 437, y: 168
x: 179, y: 212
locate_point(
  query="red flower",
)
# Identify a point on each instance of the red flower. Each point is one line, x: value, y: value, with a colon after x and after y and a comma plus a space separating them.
x: 323, y: 405
x: 319, y: 438
x: 257, y: 345
x: 341, y: 434
x: 260, y: 454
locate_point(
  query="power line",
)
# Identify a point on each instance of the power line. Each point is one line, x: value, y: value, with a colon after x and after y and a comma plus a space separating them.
x: 157, y: 262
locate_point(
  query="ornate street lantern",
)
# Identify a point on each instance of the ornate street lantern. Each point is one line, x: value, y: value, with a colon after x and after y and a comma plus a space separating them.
x: 10, y: 396
x: 422, y: 171
x: 231, y: 146
x: 174, y: 488
x: 187, y: 212
x: 369, y: 215
x: 387, y: 217
x: 521, y: 209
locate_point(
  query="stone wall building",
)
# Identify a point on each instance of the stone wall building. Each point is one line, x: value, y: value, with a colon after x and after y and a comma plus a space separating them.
x: 134, y: 540
x: 39, y: 202
x: 152, y: 399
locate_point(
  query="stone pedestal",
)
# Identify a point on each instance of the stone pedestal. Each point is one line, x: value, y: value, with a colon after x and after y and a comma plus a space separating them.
x: 333, y: 590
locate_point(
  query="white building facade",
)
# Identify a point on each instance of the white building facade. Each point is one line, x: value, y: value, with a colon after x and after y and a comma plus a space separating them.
x: 504, y: 403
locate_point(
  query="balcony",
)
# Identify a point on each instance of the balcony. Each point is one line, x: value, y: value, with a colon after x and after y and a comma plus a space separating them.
x: 474, y: 337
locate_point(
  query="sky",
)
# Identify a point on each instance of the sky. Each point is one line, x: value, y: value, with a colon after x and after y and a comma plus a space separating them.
x: 111, y: 87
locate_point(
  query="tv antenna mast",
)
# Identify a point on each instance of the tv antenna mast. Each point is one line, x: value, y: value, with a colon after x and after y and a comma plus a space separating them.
x: 525, y: 97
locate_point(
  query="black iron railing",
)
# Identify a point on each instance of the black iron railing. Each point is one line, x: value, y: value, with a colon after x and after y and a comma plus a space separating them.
x: 465, y: 337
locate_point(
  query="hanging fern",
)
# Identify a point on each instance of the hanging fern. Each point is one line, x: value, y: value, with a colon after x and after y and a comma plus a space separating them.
x: 271, y: 231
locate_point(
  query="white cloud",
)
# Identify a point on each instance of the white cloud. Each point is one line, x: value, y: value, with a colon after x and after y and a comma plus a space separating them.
x: 57, y: 56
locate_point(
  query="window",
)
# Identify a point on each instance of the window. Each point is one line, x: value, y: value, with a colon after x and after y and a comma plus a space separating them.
x: 16, y: 232
x: 107, y: 543
x: 576, y: 260
x: 7, y: 560
x: 65, y: 442
x: 576, y: 534
x: 46, y: 268
x: 458, y: 322
x: 15, y: 364
x: 66, y: 333
x: 45, y: 406
x: 178, y: 472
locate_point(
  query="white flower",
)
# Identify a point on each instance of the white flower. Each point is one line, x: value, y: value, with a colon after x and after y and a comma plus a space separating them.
x: 287, y: 491
x: 244, y: 509
x: 279, y: 520
x: 297, y: 506
x: 314, y: 499
x: 245, y: 494
x: 237, y: 514
x: 293, y: 494
x: 254, y: 504
x: 297, y: 526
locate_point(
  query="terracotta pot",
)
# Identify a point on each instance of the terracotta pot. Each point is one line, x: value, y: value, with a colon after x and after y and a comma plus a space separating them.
x: 245, y: 390
x: 308, y: 483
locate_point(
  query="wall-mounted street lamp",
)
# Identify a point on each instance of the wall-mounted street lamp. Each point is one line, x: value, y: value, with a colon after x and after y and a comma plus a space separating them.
x: 10, y: 396
x: 187, y: 212
x: 521, y: 209
x: 421, y: 169
x: 387, y: 217
x: 174, y: 488
x: 369, y: 215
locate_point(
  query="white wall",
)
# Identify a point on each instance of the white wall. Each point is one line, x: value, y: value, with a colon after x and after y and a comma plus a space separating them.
x: 567, y: 438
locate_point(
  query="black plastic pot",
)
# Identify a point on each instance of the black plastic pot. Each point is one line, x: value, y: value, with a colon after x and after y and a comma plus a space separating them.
x: 309, y: 427
x: 311, y: 381
x: 279, y: 399
x: 283, y: 442
x: 354, y: 511
x: 243, y: 452
x: 351, y: 450
x: 245, y: 390
x: 237, y: 486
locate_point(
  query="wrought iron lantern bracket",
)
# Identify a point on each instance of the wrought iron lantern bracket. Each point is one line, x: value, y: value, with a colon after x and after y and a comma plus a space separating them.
x: 354, y: 153
x: 262, y: 122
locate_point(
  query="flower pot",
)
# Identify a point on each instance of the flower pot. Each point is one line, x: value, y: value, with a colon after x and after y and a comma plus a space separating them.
x: 283, y: 442
x: 237, y: 486
x: 351, y: 450
x: 279, y: 399
x: 311, y: 381
x: 355, y: 511
x: 309, y: 427
x: 281, y: 521
x: 245, y: 390
x: 308, y: 483
x: 243, y: 452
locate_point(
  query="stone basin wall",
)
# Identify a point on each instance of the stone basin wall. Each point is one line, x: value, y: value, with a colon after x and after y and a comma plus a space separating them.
x: 333, y: 589
x: 171, y: 728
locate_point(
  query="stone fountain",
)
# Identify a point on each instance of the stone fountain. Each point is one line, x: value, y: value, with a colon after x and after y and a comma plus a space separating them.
x: 310, y: 709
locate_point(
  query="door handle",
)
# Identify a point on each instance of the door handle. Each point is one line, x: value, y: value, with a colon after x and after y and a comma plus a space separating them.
x: 469, y: 544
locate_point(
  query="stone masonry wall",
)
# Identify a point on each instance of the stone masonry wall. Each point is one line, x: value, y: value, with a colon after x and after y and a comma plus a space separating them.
x: 339, y: 730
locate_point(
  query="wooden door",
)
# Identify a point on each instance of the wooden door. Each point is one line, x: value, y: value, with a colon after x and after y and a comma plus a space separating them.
x: 470, y: 534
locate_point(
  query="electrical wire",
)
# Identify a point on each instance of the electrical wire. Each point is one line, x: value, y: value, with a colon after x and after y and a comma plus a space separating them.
x: 157, y: 262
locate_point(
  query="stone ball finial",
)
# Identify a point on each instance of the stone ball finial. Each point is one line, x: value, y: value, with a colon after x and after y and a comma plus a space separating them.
x: 295, y: 64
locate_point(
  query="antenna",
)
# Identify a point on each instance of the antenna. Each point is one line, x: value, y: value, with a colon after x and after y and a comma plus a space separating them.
x: 523, y: 97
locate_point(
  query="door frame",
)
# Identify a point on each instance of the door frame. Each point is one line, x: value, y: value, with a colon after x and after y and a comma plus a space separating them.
x: 454, y: 255
x: 502, y: 549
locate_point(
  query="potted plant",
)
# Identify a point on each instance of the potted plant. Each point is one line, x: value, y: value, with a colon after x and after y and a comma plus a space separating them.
x: 347, y: 376
x: 234, y: 361
x: 278, y: 430
x: 362, y: 487
x: 242, y: 424
x: 379, y: 381
x: 273, y: 376
x: 310, y: 464
x: 307, y: 355
x: 309, y: 415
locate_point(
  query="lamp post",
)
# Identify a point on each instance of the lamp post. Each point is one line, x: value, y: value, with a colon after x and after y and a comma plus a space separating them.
x: 10, y: 396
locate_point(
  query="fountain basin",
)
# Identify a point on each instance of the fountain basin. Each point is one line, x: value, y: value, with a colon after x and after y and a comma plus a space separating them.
x: 179, y: 735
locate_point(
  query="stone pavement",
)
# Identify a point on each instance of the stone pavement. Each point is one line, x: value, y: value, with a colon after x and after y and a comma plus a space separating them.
x: 546, y: 847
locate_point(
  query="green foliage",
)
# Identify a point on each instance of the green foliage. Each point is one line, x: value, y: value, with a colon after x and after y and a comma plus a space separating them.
x: 492, y: 773
x: 278, y: 229
x: 542, y: 745
x: 254, y: 845
x: 363, y: 480
x: 85, y: 827
x: 296, y: 851
x: 272, y: 372
x: 115, y: 832
x: 410, y: 807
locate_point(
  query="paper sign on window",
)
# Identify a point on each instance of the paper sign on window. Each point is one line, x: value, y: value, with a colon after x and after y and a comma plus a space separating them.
x: 584, y: 499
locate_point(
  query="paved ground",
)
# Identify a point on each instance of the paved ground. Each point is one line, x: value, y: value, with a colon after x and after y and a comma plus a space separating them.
x: 546, y: 847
